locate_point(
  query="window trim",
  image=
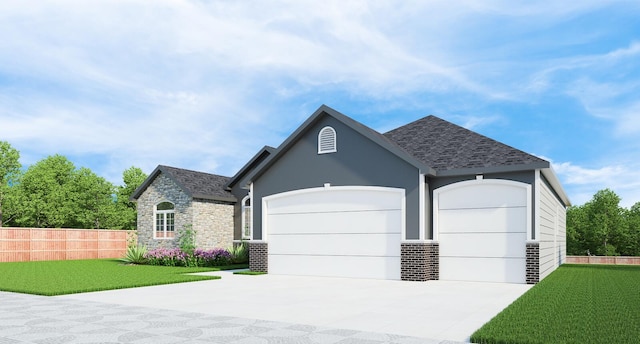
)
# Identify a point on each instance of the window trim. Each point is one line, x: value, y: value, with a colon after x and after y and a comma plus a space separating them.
x: 244, y: 223
x: 323, y: 139
x: 164, y: 214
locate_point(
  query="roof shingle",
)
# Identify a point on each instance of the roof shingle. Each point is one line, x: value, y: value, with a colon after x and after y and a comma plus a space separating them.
x: 445, y: 146
x: 199, y: 184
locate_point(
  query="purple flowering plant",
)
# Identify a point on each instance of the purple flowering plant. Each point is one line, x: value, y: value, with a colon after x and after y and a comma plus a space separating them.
x: 199, y: 257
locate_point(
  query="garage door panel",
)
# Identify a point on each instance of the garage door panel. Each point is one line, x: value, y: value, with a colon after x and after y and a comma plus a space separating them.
x: 337, y: 222
x: 497, y: 220
x: 482, y: 230
x: 489, y: 195
x: 483, y: 269
x: 335, y: 200
x: 483, y: 245
x: 336, y: 231
x: 382, y: 244
x: 336, y: 266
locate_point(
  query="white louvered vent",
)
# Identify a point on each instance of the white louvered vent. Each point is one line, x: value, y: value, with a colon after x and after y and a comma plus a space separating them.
x: 327, y: 141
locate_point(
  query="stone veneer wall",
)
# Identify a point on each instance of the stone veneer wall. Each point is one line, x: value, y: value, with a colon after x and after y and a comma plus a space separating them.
x: 212, y: 220
x: 533, y: 263
x: 419, y: 261
x: 162, y: 189
x: 213, y: 223
x: 258, y: 256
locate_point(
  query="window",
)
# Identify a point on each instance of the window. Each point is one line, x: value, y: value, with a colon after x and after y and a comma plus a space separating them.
x: 165, y: 221
x: 327, y: 141
x: 246, y: 218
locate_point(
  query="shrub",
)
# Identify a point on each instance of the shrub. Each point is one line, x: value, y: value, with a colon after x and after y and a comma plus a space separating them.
x: 199, y: 258
x: 135, y: 255
x: 215, y: 257
x: 240, y: 253
x: 167, y: 257
x: 187, y: 239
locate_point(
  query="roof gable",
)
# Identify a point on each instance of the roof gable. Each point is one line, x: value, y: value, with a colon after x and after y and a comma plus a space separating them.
x: 195, y: 184
x: 257, y: 159
x: 360, y: 128
x: 451, y: 149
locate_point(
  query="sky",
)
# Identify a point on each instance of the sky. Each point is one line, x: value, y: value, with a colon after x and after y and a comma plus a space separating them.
x: 203, y: 85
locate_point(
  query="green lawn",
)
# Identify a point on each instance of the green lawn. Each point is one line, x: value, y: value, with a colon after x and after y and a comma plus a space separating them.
x: 251, y: 273
x: 575, y: 304
x: 78, y: 276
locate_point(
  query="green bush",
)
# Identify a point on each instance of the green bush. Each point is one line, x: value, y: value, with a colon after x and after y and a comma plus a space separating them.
x: 135, y: 255
x: 187, y: 239
x: 239, y: 253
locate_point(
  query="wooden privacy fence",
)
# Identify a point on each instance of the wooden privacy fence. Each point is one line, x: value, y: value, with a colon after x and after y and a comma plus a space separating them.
x: 613, y: 260
x: 30, y: 244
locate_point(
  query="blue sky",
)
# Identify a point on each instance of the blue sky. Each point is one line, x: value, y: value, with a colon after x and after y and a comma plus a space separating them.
x: 204, y: 84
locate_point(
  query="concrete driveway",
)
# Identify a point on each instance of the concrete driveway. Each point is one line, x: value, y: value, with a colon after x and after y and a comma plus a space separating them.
x: 440, y: 310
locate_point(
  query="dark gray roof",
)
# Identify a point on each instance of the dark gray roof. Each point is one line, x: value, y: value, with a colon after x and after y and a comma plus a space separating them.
x: 447, y: 147
x: 251, y: 165
x: 195, y: 184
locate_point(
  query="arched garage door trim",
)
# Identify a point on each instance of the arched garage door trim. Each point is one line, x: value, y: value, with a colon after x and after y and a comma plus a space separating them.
x: 482, y: 227
x: 342, y: 231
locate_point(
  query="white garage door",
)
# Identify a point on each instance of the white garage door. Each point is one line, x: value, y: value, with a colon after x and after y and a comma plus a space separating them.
x: 482, y: 229
x: 335, y: 231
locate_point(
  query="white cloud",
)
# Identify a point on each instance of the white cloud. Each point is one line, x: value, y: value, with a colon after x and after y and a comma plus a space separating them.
x: 203, y: 85
x: 581, y: 183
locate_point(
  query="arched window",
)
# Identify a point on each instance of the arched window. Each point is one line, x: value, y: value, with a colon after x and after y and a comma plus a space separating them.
x: 327, y: 141
x: 246, y: 218
x: 164, y: 226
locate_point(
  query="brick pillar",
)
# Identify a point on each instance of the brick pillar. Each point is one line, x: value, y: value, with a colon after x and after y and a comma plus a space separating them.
x: 533, y: 263
x: 419, y: 261
x: 258, y: 256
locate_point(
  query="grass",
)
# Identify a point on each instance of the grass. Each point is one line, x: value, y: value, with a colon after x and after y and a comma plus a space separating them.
x: 78, y: 276
x: 575, y: 304
x: 247, y: 272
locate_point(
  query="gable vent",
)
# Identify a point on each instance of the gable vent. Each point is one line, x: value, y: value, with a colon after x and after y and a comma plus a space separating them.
x: 327, y: 141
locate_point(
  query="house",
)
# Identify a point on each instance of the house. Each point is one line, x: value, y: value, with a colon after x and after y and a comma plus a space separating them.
x: 428, y: 200
x: 171, y: 199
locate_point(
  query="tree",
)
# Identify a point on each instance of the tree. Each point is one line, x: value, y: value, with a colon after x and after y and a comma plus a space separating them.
x: 45, y: 198
x: 577, y: 228
x: 9, y: 171
x: 92, y: 198
x: 633, y: 224
x: 601, y: 227
x: 132, y: 177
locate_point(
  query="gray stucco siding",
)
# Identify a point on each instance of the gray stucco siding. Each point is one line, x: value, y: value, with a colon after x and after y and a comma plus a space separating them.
x: 358, y: 161
x: 527, y: 177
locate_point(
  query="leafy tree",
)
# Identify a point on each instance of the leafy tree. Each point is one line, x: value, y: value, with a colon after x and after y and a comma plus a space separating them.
x: 45, y: 198
x: 9, y: 172
x: 132, y: 177
x: 602, y: 227
x: 92, y: 199
x: 633, y: 223
x: 577, y: 228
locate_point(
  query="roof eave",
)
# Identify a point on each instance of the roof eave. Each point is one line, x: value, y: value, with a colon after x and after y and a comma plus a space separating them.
x: 493, y: 169
x: 552, y: 178
x: 140, y: 189
x: 215, y: 198
x: 248, y: 166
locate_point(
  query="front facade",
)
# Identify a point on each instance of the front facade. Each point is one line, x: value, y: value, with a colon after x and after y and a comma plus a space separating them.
x: 429, y: 200
x: 167, y: 205
x: 376, y: 206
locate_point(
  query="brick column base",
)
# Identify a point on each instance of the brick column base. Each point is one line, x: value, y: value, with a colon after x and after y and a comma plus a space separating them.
x: 258, y: 256
x: 533, y: 263
x: 419, y: 261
